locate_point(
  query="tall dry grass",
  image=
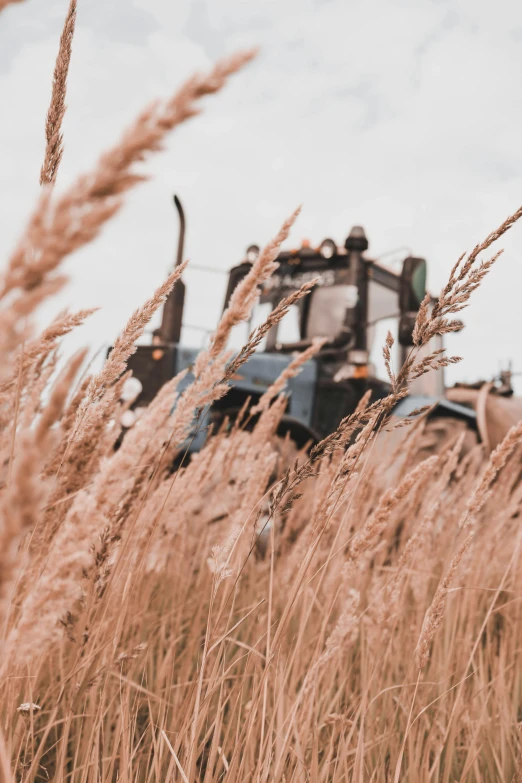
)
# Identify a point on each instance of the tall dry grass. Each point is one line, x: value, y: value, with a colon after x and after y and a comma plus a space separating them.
x: 259, y: 613
x: 5, y: 3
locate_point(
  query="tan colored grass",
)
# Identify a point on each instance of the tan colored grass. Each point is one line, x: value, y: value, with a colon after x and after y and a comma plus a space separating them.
x: 128, y: 565
x: 55, y: 115
x: 147, y: 637
x: 5, y: 3
x: 59, y: 226
x: 292, y: 369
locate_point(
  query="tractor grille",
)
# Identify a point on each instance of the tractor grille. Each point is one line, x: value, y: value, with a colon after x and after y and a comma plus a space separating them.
x: 330, y: 405
x: 334, y: 401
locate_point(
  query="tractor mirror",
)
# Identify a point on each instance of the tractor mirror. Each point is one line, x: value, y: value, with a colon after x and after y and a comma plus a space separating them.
x: 412, y: 290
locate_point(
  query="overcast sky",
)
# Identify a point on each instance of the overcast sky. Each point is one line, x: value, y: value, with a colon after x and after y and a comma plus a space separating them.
x: 402, y: 115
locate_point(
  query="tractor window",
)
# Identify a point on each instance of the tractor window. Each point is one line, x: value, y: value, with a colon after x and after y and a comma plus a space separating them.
x: 259, y: 315
x: 328, y: 310
x: 383, y: 316
x: 288, y: 330
x: 383, y: 302
x: 240, y: 333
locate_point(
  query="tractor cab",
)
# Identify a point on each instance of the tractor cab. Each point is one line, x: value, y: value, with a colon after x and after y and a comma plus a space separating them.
x: 354, y: 303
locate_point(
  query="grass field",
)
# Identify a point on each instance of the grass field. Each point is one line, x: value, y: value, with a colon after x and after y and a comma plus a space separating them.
x: 348, y: 614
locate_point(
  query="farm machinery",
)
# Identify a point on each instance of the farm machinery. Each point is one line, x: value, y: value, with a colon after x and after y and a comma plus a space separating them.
x: 353, y: 304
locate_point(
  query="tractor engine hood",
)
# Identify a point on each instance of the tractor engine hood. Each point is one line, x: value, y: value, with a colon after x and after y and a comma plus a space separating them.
x: 443, y: 407
x: 257, y: 374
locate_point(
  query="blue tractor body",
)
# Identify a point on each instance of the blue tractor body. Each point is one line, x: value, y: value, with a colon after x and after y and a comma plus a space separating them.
x: 352, y: 294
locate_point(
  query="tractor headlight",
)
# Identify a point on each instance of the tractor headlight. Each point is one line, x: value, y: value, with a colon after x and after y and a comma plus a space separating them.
x: 131, y: 388
x: 328, y: 248
x: 358, y: 357
x: 252, y: 253
x: 128, y: 419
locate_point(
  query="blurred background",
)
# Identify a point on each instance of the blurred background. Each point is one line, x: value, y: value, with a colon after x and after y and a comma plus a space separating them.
x: 404, y: 117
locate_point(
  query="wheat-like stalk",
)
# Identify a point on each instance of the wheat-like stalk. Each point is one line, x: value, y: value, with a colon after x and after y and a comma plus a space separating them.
x: 45, y: 343
x: 247, y: 292
x: 293, y: 369
x: 55, y: 115
x: 261, y: 607
x: 376, y: 524
x: 496, y: 462
x: 5, y: 3
x: 21, y: 503
x: 125, y: 344
x: 59, y: 227
x: 435, y: 613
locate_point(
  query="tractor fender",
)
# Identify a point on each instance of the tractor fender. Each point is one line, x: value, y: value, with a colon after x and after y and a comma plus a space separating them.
x: 441, y: 407
x: 496, y: 414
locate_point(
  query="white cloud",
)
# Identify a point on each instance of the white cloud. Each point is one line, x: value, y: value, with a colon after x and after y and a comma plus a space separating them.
x: 402, y: 116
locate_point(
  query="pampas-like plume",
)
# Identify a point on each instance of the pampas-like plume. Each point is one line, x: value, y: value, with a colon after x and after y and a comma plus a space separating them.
x: 211, y: 384
x: 367, y: 415
x: 293, y: 369
x: 455, y: 295
x: 45, y: 343
x: 19, y: 512
x: 388, y: 345
x: 124, y: 345
x: 257, y: 336
x: 268, y: 422
x: 55, y: 406
x: 139, y: 446
x: 20, y: 509
x: 211, y: 371
x: 36, y: 384
x: 260, y: 470
x: 392, y: 590
x: 376, y: 524
x: 344, y: 632
x: 435, y: 613
x: 5, y: 3
x: 59, y: 587
x: 247, y: 292
x: 14, y: 328
x: 459, y: 273
x: 55, y: 115
x: 84, y: 441
x: 344, y: 472
x: 57, y: 229
x: 76, y: 460
x: 66, y: 424
x: 496, y: 462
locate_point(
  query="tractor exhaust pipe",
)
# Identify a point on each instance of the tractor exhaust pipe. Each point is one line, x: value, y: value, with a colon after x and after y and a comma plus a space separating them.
x: 172, y: 318
x: 181, y: 240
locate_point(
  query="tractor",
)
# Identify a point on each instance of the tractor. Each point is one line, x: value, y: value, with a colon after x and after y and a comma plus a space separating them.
x: 353, y: 304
